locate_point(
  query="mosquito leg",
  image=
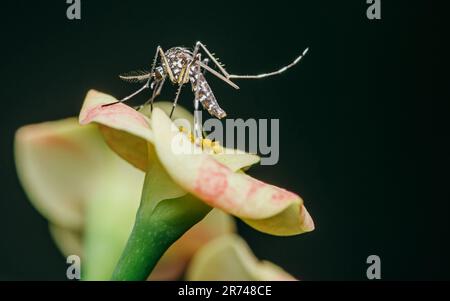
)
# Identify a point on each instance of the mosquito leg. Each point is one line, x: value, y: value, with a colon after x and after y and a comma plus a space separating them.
x: 176, y: 99
x: 158, y: 91
x: 145, y: 86
x: 197, y: 126
x: 262, y: 75
x: 166, y: 64
x: 205, y: 61
x: 224, y: 76
x: 155, y: 58
x: 150, y: 100
x: 213, y: 59
x: 217, y: 74
x: 279, y: 71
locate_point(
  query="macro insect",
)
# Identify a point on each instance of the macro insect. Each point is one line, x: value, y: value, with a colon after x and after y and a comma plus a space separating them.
x: 182, y: 66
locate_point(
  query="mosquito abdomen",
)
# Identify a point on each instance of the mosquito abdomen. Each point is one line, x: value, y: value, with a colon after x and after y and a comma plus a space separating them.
x: 204, y: 94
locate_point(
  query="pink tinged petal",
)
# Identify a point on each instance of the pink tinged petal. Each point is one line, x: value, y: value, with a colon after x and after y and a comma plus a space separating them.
x: 211, y: 181
x: 118, y: 116
x: 267, y: 208
x: 125, y: 130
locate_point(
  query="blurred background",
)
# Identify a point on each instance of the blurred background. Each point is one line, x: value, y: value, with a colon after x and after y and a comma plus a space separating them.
x: 358, y: 138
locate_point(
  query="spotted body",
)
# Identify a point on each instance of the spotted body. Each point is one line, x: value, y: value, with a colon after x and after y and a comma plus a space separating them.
x: 182, y: 64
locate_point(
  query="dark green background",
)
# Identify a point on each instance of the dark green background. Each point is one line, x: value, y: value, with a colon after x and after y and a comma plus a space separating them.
x: 358, y: 140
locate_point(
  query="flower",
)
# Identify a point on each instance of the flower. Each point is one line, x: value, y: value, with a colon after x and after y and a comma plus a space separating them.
x: 204, y: 253
x: 216, y: 179
x: 90, y: 196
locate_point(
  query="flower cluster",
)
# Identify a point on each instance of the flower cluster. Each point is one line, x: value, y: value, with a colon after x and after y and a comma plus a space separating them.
x: 72, y: 174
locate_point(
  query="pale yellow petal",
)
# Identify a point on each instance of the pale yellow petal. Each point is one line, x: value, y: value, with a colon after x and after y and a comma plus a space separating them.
x: 69, y: 241
x: 117, y: 116
x: 127, y: 131
x: 83, y: 188
x: 220, y: 187
x: 55, y: 163
x: 228, y: 258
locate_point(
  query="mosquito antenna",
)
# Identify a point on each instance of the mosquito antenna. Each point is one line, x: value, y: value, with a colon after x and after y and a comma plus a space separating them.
x: 137, y: 76
x: 281, y: 70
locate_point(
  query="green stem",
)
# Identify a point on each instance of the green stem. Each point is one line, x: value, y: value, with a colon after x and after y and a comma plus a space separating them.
x: 158, y: 225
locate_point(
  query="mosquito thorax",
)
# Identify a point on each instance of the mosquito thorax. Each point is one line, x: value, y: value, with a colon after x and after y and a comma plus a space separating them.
x: 179, y: 59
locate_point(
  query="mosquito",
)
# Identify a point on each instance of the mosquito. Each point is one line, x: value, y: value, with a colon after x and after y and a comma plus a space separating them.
x: 183, y: 66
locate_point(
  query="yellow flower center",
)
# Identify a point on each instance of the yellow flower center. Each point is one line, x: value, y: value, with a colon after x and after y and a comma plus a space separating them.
x: 207, y: 144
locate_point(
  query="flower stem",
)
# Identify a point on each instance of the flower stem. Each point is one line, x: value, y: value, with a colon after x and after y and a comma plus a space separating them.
x: 158, y: 225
